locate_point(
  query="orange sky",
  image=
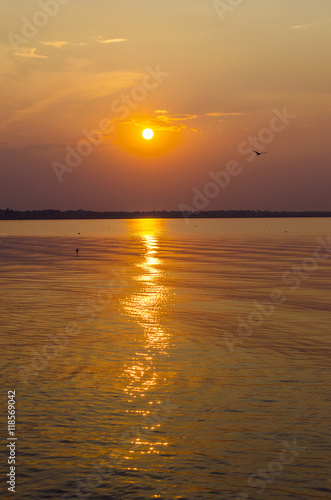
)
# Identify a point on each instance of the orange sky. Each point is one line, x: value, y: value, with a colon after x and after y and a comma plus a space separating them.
x: 80, y: 81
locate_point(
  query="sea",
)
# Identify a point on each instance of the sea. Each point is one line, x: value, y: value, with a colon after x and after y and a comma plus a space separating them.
x: 166, y: 359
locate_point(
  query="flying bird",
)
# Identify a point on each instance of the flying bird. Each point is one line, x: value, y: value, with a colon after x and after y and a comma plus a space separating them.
x: 257, y: 153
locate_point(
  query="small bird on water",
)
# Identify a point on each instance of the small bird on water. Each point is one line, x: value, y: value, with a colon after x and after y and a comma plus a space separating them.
x: 77, y: 250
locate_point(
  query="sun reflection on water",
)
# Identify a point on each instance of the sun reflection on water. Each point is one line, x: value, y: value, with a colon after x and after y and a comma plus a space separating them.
x: 145, y: 306
x: 147, y: 303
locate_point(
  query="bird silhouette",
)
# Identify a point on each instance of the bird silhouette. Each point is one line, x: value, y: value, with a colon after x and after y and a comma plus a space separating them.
x: 257, y: 153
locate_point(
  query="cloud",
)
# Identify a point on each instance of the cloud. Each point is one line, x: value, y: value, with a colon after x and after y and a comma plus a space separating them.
x: 29, y: 52
x: 55, y: 43
x: 224, y: 114
x: 54, y: 91
x: 177, y: 117
x: 164, y: 121
x: 60, y: 43
x: 312, y: 25
x: 172, y: 122
x: 110, y: 40
x: 300, y: 27
x: 176, y: 121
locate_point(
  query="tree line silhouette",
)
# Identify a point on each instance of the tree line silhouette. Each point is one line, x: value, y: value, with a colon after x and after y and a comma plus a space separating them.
x: 9, y: 214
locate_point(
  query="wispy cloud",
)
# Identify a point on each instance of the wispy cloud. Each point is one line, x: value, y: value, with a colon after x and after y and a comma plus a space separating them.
x: 223, y: 114
x: 80, y: 90
x: 300, y: 27
x: 60, y: 43
x: 29, y: 52
x: 165, y: 121
x: 55, y: 43
x: 177, y: 117
x: 172, y: 122
x: 312, y: 25
x: 110, y: 40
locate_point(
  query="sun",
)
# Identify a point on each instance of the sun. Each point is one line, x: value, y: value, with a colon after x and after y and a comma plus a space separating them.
x: 148, y: 134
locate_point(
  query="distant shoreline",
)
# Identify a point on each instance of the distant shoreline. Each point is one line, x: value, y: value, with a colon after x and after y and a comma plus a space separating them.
x: 210, y: 214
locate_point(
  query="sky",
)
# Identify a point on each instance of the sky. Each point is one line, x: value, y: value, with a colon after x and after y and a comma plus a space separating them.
x: 81, y: 80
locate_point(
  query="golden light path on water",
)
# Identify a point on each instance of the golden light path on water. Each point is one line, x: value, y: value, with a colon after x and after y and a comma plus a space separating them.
x: 144, y: 306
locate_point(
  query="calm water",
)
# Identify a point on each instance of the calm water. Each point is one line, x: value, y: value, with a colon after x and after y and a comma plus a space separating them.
x: 176, y: 358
